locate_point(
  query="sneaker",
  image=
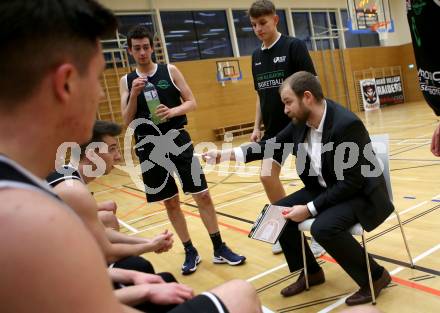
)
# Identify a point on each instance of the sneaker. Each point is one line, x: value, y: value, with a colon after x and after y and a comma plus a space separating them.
x: 192, y: 258
x: 225, y: 255
x: 316, y: 248
x: 276, y: 248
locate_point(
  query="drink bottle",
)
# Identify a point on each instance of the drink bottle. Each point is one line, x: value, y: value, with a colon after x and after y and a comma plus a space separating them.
x: 152, y: 98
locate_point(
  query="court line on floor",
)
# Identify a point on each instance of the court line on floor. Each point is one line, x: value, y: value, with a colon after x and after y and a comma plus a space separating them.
x: 393, y: 216
x: 246, y: 231
x: 276, y: 268
x: 234, y: 227
x: 397, y: 280
x: 216, y: 206
x: 414, y: 160
x: 134, y: 210
x: 129, y: 227
x: 412, y: 167
x: 392, y: 153
x: 146, y: 216
x: 409, y: 220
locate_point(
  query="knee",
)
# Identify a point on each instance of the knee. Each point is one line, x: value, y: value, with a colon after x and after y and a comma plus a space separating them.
x: 172, y: 204
x: 267, y: 180
x: 247, y: 290
x: 203, y: 196
x: 320, y: 232
x: 203, y: 199
x: 109, y: 219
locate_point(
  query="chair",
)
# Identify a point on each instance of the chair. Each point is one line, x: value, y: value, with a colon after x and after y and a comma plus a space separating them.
x: 357, y: 230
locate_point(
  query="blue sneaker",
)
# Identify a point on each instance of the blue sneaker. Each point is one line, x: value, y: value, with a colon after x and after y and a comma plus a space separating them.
x: 225, y: 255
x: 192, y: 258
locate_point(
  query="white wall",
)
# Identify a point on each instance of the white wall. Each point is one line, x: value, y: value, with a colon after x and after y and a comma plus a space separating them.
x: 402, y: 34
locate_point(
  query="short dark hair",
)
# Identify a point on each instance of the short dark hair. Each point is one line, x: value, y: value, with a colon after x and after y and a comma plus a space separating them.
x: 100, y: 130
x: 261, y: 8
x: 37, y: 36
x: 303, y: 81
x: 138, y: 32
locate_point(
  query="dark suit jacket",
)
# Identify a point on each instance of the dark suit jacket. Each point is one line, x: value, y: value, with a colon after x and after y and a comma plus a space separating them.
x: 340, y: 127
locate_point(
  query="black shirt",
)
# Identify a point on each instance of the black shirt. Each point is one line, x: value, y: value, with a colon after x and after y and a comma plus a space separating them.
x: 269, y: 69
x: 12, y: 175
x: 66, y: 173
x: 169, y: 95
x: 424, y: 22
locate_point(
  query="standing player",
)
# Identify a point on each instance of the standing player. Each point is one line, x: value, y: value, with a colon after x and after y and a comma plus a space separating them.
x: 421, y: 16
x: 176, y: 100
x: 278, y: 57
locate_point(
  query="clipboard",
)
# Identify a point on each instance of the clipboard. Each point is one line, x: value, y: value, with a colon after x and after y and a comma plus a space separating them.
x: 269, y: 225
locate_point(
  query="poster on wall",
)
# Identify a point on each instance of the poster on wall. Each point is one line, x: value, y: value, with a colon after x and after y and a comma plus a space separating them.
x: 370, y: 99
x: 389, y: 90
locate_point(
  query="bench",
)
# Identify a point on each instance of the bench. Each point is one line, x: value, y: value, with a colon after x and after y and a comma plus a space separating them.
x: 235, y: 130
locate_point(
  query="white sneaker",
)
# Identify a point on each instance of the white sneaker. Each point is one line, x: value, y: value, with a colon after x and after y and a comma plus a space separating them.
x: 276, y: 248
x: 316, y: 248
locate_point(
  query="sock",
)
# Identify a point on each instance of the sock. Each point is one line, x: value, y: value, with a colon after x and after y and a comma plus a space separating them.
x: 216, y: 239
x: 188, y: 244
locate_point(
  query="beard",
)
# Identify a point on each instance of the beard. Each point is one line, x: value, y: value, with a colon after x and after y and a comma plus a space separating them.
x: 302, y: 116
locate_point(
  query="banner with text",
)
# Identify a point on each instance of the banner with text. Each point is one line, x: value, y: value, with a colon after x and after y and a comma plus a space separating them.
x: 389, y: 90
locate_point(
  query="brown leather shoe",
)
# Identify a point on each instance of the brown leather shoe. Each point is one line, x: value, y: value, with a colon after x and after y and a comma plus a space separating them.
x: 300, y: 285
x: 363, y: 295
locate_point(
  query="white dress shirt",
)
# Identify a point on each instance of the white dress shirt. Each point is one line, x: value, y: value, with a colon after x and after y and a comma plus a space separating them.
x: 314, y: 147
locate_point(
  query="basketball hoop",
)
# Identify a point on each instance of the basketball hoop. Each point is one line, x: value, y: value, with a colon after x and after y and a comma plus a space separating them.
x: 370, y: 16
x: 228, y: 70
x: 380, y: 26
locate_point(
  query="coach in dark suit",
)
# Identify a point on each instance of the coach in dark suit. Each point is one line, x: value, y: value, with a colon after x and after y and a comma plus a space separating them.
x: 343, y: 185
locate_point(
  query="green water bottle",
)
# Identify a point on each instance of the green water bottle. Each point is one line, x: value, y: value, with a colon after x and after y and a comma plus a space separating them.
x: 152, y: 98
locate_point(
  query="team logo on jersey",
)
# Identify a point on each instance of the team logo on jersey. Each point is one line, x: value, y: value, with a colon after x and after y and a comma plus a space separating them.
x: 163, y: 84
x: 417, y: 6
x: 279, y: 59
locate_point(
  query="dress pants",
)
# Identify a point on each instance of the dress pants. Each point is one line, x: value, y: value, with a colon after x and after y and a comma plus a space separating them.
x: 331, y: 231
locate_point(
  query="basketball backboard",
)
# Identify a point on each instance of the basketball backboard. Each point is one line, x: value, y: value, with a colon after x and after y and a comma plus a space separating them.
x: 228, y: 70
x: 367, y: 16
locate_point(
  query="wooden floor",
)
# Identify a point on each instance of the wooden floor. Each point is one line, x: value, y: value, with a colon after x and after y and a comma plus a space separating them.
x: 239, y: 196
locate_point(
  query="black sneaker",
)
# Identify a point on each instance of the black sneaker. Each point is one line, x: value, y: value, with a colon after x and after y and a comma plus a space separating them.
x: 192, y: 258
x: 225, y: 255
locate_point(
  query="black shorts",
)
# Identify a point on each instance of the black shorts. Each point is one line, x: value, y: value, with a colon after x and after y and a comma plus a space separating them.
x: 165, y: 155
x: 205, y: 303
x: 278, y: 153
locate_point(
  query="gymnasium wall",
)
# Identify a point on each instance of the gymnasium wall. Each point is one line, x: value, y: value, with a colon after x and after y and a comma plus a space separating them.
x: 399, y: 37
x: 235, y: 103
x: 130, y: 5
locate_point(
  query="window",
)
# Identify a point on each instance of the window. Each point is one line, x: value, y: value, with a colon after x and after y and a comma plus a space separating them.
x: 301, y: 22
x: 282, y: 24
x: 318, y: 29
x: 247, y: 41
x: 119, y: 41
x: 321, y: 30
x: 126, y: 22
x: 334, y: 29
x: 193, y: 35
x: 358, y: 40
